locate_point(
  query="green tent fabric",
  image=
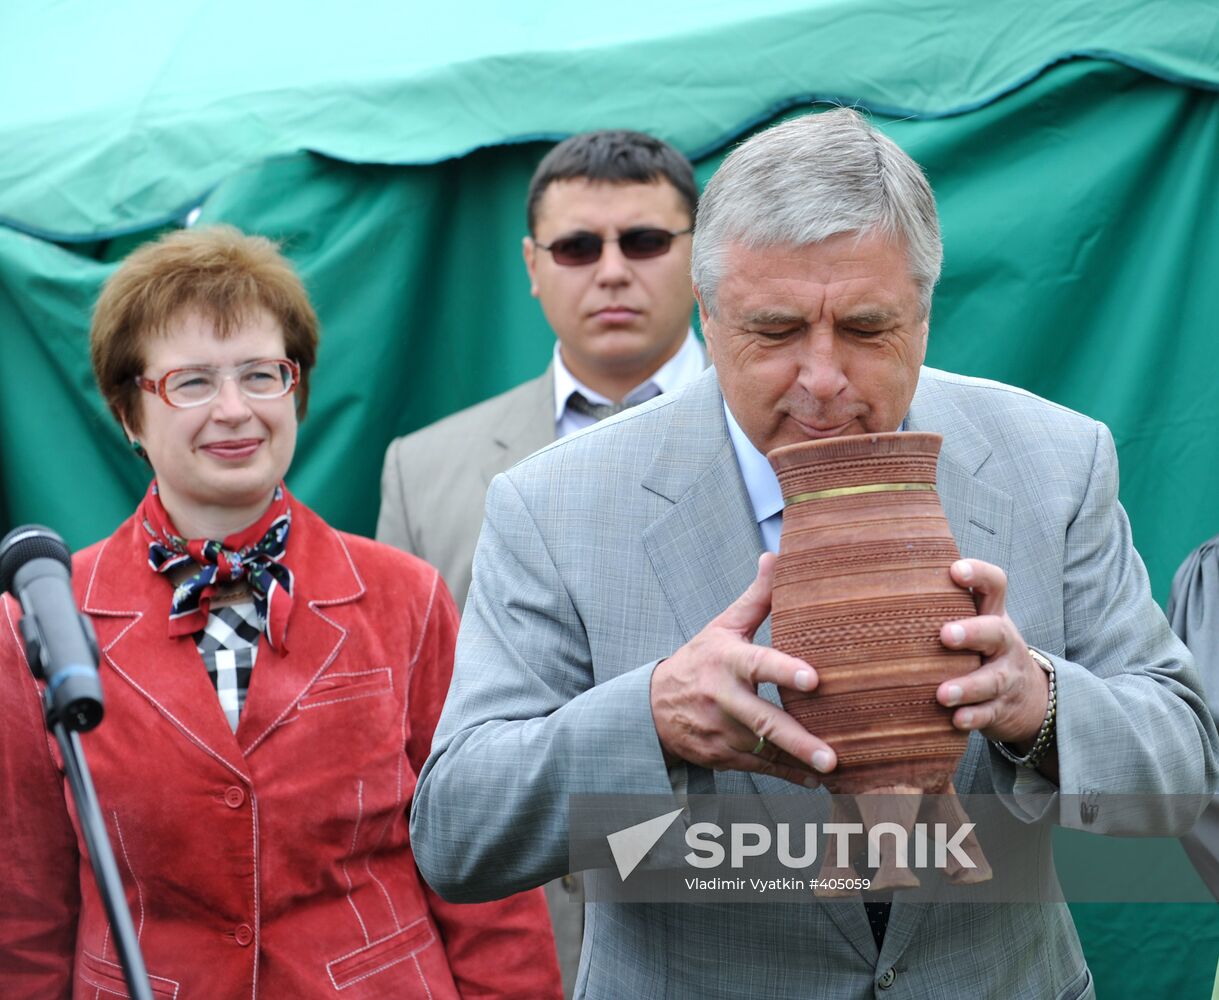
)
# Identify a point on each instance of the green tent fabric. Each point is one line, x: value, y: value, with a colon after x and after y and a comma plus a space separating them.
x: 122, y: 116
x: 1074, y: 149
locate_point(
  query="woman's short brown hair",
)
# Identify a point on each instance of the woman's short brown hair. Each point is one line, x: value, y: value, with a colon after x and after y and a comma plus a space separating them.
x: 218, y: 271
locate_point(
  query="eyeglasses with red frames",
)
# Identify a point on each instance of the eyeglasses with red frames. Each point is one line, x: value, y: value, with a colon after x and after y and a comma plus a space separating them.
x: 636, y: 244
x: 182, y: 388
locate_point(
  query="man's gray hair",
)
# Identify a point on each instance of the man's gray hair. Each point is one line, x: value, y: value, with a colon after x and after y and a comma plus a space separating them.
x: 810, y: 178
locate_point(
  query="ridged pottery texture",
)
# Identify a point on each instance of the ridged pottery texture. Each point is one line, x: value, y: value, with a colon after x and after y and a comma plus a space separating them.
x: 861, y: 592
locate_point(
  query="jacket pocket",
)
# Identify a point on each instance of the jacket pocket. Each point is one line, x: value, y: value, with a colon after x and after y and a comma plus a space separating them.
x: 330, y: 689
x: 380, y: 954
x: 108, y: 977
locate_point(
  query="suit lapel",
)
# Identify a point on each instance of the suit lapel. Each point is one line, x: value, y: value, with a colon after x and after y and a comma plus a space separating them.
x: 979, y: 515
x: 324, y: 576
x: 705, y: 547
x: 526, y: 425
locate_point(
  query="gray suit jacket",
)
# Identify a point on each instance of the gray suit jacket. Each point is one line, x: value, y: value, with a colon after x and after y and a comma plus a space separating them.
x: 435, y: 480
x: 609, y: 549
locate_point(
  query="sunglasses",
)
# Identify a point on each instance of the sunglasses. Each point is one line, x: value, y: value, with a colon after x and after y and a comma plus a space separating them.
x: 635, y: 244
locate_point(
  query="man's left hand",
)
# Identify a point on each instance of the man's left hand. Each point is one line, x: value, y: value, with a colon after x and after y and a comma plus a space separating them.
x: 1006, y: 698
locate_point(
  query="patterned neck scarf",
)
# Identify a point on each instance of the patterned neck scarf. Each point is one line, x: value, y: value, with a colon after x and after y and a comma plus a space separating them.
x: 253, y: 555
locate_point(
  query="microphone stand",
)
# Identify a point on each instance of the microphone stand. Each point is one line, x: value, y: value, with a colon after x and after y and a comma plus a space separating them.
x: 101, y: 856
x: 61, y: 650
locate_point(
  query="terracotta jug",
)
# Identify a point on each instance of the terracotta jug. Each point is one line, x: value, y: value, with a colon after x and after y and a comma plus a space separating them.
x: 862, y: 589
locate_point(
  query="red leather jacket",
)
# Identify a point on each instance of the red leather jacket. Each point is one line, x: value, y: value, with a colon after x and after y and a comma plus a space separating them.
x: 274, y: 862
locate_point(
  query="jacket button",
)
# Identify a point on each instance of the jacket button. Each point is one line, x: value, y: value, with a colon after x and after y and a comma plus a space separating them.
x: 233, y: 797
x: 886, y: 978
x: 244, y: 934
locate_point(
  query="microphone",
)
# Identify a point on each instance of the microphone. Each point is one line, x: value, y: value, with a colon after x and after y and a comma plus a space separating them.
x: 35, y: 567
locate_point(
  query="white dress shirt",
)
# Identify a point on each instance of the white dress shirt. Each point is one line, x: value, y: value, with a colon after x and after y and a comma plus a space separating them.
x: 685, y: 366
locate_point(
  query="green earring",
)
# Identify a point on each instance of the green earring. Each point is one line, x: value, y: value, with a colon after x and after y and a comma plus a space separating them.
x: 138, y: 448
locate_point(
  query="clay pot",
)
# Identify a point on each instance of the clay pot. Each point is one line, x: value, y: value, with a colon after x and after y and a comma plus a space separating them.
x: 861, y: 592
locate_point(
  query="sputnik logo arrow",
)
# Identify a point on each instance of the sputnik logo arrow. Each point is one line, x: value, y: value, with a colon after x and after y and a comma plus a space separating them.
x: 630, y: 845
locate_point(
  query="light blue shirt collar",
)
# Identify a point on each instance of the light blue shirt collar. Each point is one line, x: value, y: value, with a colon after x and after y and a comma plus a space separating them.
x: 761, y: 483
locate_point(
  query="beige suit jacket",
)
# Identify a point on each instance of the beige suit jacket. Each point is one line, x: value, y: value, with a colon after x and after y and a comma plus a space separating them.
x: 435, y: 480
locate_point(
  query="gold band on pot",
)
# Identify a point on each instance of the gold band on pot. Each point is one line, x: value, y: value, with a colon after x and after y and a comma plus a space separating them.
x: 847, y: 491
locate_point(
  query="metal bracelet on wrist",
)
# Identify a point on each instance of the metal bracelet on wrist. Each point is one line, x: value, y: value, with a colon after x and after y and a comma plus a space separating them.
x: 1045, y: 735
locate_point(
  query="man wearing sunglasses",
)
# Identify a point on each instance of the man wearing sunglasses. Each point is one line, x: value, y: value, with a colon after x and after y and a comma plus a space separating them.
x: 610, y: 216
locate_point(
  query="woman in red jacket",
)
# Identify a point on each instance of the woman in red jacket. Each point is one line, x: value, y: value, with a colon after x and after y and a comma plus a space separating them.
x: 271, y: 689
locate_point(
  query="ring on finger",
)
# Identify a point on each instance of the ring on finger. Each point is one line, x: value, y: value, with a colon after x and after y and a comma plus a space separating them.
x: 761, y: 745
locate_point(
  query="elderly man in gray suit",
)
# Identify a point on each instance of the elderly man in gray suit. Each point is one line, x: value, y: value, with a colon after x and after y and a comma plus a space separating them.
x: 614, y: 637
x: 608, y: 257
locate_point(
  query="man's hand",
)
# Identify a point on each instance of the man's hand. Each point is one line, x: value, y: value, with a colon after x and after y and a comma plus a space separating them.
x: 705, y: 699
x: 1006, y: 697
